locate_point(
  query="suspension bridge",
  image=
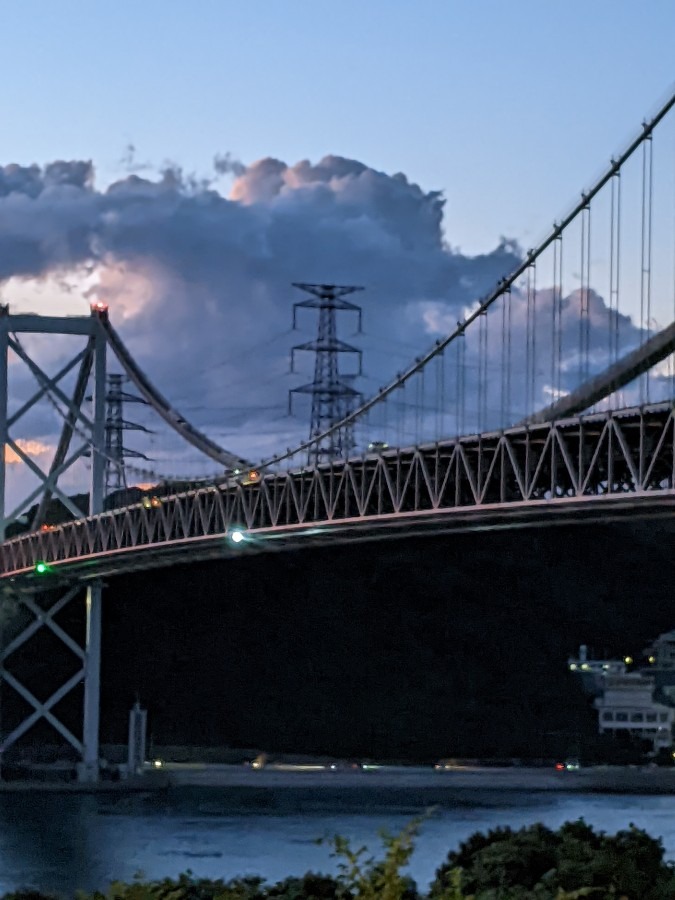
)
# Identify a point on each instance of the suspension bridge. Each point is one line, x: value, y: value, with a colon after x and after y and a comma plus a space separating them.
x: 550, y: 400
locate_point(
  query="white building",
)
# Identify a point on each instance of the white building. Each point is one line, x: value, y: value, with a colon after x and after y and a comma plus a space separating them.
x: 627, y: 705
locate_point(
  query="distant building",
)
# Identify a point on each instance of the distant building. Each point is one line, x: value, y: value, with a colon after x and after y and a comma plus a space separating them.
x: 627, y: 707
x: 638, y: 704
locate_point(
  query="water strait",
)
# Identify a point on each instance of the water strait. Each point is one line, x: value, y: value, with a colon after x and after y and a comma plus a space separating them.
x: 64, y: 842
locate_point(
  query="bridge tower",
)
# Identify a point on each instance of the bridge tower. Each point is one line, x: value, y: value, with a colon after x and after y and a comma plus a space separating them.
x: 88, y: 428
x: 33, y: 597
x: 332, y: 393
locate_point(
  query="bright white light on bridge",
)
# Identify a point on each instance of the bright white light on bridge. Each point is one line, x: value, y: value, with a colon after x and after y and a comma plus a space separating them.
x: 237, y: 537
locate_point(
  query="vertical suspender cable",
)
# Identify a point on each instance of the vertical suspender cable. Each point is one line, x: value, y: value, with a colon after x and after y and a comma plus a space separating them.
x: 528, y: 339
x: 556, y: 315
x: 479, y: 376
x: 440, y: 396
x: 533, y: 269
x: 419, y: 406
x: 614, y: 267
x: 584, y: 306
x: 582, y: 317
x: 482, y: 370
x: 509, y: 300
x: 461, y: 382
x: 559, y: 312
x: 505, y: 410
x: 503, y: 403
x: 645, y: 256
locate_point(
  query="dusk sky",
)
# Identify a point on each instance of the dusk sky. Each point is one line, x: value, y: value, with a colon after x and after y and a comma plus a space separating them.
x: 509, y: 108
x: 340, y: 129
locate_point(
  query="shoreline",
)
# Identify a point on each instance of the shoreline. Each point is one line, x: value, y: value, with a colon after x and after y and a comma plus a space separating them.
x: 176, y: 776
x: 601, y: 779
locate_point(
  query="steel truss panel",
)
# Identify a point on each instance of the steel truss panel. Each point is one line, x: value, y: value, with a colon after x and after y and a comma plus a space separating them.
x: 598, y: 458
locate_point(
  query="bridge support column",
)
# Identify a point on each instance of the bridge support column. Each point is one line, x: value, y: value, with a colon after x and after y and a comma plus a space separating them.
x: 89, y: 768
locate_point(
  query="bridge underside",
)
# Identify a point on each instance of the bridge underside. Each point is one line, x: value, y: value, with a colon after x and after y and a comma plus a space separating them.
x: 593, y: 468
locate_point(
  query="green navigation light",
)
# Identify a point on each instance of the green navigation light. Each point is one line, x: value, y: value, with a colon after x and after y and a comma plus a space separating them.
x: 42, y: 568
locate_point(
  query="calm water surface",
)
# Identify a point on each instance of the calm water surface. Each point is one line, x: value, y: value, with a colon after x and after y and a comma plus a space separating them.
x: 63, y: 842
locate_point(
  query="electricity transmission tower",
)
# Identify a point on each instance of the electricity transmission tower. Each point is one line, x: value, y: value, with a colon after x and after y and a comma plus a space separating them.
x: 115, y: 426
x: 333, y: 396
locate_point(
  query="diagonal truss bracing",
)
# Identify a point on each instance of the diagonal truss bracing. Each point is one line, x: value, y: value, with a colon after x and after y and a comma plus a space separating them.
x: 593, y: 459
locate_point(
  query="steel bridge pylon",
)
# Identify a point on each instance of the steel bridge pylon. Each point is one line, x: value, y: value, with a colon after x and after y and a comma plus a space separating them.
x: 83, y: 434
x: 86, y: 430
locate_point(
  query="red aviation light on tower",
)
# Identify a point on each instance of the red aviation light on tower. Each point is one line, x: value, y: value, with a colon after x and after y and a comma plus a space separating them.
x: 100, y: 309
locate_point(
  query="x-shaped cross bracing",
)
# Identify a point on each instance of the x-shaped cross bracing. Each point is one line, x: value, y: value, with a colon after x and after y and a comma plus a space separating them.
x: 42, y: 710
x: 49, y: 387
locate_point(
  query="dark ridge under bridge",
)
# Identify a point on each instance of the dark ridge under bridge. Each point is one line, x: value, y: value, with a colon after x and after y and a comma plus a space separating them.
x: 593, y: 467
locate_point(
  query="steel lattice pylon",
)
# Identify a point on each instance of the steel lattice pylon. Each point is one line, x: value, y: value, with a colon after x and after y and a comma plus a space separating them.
x: 115, y: 426
x: 333, y: 397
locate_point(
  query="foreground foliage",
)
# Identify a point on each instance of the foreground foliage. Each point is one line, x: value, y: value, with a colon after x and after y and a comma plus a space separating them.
x: 533, y: 863
x: 536, y: 863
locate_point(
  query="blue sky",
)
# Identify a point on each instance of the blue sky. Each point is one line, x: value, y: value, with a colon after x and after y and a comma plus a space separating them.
x: 509, y: 108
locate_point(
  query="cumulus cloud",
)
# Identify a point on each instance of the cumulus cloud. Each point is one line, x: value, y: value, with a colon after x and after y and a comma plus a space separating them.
x: 184, y: 266
x: 199, y: 283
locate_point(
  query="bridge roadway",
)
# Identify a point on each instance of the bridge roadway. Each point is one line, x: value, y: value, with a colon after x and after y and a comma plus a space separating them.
x: 597, y: 467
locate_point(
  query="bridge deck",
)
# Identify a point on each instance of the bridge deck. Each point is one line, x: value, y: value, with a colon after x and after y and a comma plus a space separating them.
x: 588, y: 467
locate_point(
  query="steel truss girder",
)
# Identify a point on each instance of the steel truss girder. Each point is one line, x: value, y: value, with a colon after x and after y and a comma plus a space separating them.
x: 627, y: 453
